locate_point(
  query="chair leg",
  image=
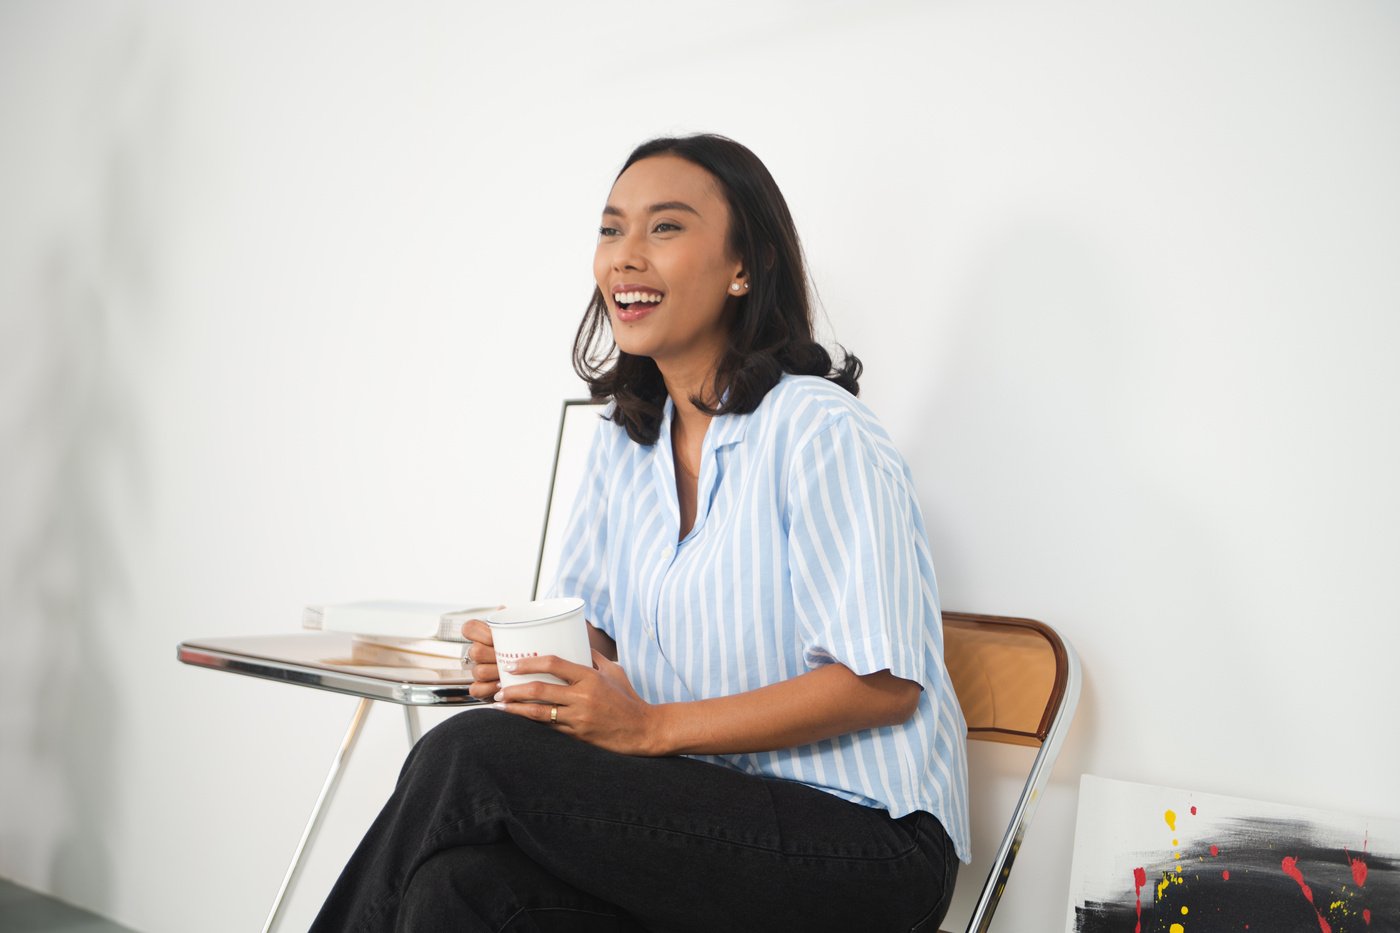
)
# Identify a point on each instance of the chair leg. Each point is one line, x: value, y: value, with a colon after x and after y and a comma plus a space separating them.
x: 410, y: 721
x: 308, y: 834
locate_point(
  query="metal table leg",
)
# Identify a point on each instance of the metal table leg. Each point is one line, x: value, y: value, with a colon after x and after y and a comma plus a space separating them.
x: 410, y: 720
x: 347, y: 744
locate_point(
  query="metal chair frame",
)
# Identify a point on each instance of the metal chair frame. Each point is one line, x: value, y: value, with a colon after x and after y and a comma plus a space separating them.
x: 1047, y: 737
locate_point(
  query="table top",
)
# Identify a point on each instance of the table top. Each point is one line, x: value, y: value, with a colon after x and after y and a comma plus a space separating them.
x: 323, y: 660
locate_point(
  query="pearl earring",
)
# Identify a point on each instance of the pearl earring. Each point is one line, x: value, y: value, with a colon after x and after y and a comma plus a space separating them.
x: 734, y: 287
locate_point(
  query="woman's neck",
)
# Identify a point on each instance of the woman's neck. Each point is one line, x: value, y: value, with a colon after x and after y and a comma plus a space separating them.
x: 682, y: 387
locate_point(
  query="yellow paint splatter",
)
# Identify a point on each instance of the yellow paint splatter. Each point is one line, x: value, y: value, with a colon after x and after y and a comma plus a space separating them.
x: 1185, y: 910
x: 1178, y: 928
x: 1170, y: 817
x: 1175, y: 843
x: 1169, y: 879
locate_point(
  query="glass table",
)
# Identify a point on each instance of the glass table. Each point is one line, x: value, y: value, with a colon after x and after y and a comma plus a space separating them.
x: 323, y: 660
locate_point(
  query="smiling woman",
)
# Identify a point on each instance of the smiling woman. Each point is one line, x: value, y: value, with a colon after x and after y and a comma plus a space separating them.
x: 664, y: 261
x: 741, y: 279
x: 767, y: 738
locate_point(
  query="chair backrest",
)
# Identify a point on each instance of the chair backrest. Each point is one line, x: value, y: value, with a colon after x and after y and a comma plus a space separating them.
x: 1018, y: 682
x: 577, y: 422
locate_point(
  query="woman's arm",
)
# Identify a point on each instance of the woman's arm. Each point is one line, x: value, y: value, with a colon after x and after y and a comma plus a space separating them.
x: 819, y: 704
x: 600, y: 707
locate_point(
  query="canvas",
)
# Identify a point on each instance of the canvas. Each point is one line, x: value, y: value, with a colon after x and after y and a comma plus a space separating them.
x: 1151, y: 859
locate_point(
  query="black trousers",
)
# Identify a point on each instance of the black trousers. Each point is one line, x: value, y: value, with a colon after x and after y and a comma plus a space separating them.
x: 501, y: 824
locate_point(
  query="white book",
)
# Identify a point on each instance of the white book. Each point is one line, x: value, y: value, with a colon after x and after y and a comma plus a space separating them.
x: 410, y: 662
x: 433, y: 647
x: 397, y: 618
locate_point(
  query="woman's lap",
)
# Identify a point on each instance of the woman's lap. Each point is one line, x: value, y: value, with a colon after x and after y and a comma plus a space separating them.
x: 675, y: 842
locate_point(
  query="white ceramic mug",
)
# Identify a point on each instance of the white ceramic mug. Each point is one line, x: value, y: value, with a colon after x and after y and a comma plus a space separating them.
x: 546, y: 626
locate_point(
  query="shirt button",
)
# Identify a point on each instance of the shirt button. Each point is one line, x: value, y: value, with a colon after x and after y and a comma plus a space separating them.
x: 668, y: 553
x: 648, y: 629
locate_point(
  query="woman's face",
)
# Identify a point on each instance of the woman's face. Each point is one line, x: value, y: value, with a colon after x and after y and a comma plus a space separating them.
x: 663, y: 265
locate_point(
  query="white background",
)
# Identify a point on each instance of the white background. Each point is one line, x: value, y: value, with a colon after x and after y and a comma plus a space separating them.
x: 287, y: 293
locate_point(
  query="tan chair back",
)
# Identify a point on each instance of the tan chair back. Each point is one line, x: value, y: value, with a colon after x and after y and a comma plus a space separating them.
x: 1009, y: 675
x: 1018, y: 682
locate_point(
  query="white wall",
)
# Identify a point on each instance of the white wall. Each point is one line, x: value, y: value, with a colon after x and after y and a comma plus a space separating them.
x: 286, y: 298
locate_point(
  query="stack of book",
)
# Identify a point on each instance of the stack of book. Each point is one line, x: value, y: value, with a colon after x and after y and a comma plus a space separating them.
x: 426, y: 637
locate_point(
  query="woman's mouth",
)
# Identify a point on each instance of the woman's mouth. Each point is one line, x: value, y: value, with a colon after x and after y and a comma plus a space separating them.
x: 633, y: 305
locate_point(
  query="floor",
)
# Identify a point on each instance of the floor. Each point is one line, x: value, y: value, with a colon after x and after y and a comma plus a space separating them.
x: 26, y: 911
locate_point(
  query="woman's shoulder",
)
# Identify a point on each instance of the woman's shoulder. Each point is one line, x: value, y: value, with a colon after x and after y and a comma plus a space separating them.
x: 800, y: 411
x: 817, y: 403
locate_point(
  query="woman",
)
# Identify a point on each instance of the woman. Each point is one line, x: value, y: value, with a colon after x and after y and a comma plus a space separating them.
x: 768, y: 739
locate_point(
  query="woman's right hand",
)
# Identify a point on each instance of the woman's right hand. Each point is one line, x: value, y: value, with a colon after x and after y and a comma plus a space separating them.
x: 482, y: 654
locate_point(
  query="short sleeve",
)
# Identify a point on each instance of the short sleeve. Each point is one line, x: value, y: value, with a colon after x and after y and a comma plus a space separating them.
x: 862, y: 583
x: 582, y: 570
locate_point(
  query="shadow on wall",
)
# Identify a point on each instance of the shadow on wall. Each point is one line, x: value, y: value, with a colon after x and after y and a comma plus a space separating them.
x: 71, y: 479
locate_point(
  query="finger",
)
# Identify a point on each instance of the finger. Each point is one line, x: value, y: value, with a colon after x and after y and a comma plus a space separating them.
x: 535, y: 692
x: 485, y: 672
x: 482, y: 654
x: 549, y: 664
x: 544, y: 714
x: 478, y: 631
x: 484, y: 689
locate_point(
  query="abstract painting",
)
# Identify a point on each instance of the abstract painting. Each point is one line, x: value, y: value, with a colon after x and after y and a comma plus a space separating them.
x: 1151, y: 859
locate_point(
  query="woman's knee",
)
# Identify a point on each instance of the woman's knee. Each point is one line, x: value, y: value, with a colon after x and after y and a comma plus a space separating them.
x: 476, y: 738
x: 477, y: 724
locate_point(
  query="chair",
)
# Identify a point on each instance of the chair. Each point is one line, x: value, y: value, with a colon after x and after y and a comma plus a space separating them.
x: 1018, y: 683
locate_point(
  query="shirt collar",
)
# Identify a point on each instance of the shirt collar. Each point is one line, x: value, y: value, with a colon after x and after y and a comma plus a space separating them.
x: 724, y: 430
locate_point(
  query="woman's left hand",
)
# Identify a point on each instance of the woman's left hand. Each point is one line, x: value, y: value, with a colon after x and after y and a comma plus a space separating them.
x: 596, y: 704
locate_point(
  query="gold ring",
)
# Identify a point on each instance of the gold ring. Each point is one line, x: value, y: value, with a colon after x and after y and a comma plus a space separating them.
x: 554, y: 715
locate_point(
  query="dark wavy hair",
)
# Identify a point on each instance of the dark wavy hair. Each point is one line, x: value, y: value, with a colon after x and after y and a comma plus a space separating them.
x: 770, y: 331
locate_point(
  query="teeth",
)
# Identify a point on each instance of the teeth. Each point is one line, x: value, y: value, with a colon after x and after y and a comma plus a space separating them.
x: 628, y: 298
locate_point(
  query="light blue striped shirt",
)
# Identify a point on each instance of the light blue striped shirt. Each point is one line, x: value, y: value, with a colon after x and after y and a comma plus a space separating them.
x: 808, y: 548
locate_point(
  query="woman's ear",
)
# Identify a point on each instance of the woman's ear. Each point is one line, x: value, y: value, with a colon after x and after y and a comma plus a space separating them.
x: 770, y: 256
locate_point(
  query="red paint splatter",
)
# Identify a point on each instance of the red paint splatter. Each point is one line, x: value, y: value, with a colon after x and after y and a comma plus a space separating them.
x: 1290, y: 868
x: 1225, y: 875
x: 1139, y: 879
x: 1193, y: 811
x: 1358, y: 870
x: 1358, y: 866
x: 1366, y: 915
x: 1214, y: 850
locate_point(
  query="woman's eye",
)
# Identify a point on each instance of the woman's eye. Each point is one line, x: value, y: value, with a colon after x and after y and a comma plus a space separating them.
x: 664, y: 227
x: 607, y: 231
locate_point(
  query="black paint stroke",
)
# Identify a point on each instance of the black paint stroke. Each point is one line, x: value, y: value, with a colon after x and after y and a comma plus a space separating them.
x: 1259, y: 896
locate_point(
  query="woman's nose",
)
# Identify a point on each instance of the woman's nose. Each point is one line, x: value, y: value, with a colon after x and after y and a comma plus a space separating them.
x: 629, y: 253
